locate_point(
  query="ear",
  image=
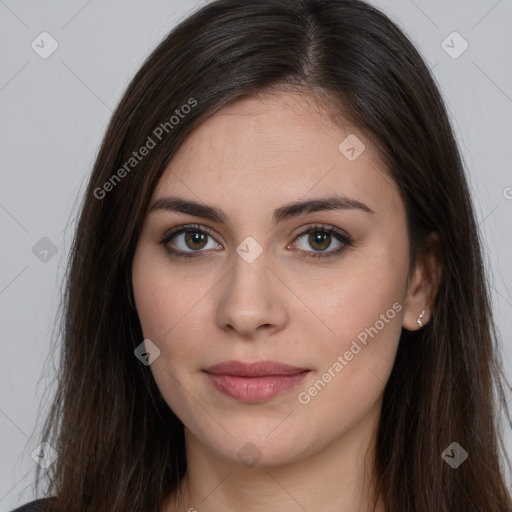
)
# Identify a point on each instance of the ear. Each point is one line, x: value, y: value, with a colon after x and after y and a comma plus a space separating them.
x: 423, y: 284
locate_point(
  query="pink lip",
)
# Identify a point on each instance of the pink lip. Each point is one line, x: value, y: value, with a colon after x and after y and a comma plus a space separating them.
x: 254, y: 382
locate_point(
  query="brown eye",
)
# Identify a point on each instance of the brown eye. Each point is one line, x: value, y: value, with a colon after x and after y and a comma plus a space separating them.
x: 320, y: 239
x: 195, y: 239
x: 188, y: 241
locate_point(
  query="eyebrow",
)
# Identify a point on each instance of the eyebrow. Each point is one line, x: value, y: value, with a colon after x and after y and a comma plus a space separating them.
x: 288, y: 211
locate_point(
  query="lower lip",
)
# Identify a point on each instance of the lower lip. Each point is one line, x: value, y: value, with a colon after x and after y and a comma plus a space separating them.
x: 254, y: 389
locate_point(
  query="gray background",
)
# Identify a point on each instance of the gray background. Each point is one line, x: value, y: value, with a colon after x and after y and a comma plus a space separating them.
x: 54, y: 112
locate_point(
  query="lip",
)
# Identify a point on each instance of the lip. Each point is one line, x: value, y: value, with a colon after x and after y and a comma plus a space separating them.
x: 254, y: 382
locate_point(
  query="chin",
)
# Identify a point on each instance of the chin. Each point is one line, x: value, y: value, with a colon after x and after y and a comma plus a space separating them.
x: 254, y: 447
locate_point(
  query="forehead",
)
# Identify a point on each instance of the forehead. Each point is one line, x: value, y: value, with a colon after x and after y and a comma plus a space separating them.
x: 260, y: 152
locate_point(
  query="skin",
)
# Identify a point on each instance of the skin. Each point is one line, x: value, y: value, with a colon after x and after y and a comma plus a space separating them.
x: 249, y: 159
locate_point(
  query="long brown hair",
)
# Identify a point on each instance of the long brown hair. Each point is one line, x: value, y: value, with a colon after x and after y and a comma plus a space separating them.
x: 120, y: 445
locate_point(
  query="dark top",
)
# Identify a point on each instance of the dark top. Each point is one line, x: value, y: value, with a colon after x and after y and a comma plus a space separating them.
x: 34, y: 506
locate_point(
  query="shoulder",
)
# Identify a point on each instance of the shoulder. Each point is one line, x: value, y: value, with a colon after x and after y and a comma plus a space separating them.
x: 34, y: 506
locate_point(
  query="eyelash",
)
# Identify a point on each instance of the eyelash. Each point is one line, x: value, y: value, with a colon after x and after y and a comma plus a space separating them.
x: 346, y: 240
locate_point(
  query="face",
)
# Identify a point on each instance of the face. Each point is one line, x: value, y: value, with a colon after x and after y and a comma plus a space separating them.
x: 252, y: 280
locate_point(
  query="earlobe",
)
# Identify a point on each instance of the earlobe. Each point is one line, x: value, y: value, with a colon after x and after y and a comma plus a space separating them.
x: 424, y: 285
x: 416, y: 315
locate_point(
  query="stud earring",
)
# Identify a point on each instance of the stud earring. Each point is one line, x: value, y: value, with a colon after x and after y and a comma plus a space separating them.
x: 420, y: 317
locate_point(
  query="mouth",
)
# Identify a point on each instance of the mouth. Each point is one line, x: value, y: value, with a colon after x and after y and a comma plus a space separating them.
x: 254, y: 382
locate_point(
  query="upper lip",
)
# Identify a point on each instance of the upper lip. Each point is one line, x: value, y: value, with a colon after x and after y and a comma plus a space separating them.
x: 254, y: 369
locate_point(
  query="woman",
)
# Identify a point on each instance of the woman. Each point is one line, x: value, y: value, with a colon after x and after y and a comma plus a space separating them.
x: 276, y: 296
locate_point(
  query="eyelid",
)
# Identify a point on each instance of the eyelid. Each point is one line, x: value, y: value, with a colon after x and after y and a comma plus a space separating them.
x: 320, y: 227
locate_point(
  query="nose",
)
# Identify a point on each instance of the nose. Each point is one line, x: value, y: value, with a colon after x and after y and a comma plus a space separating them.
x: 252, y: 299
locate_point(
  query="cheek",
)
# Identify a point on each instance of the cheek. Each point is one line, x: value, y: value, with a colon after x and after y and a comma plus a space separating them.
x: 164, y: 302
x: 356, y: 298
x: 354, y: 364
x: 165, y: 295
x: 171, y: 305
x: 363, y: 347
x: 363, y: 308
